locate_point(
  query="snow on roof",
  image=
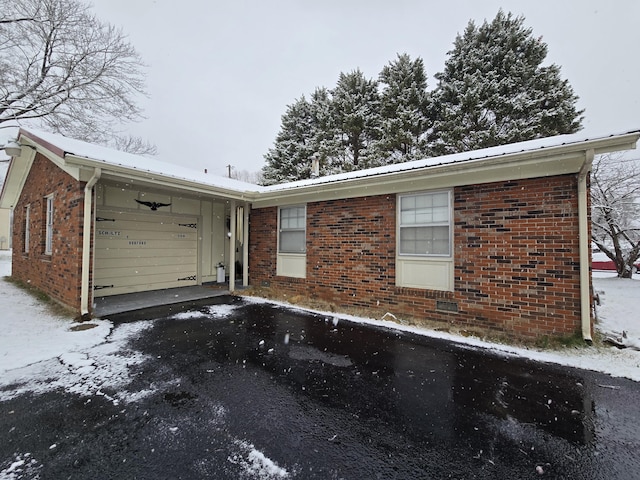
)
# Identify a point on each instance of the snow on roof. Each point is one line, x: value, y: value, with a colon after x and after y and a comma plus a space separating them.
x: 108, y: 156
x: 474, y: 155
x: 140, y: 163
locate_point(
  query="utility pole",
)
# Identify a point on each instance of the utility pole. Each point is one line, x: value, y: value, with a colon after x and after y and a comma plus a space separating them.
x: 229, y: 168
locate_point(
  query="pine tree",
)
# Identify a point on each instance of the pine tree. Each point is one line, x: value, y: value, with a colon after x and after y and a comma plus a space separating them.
x: 494, y: 91
x: 327, y: 140
x: 404, y: 108
x: 289, y: 158
x: 356, y: 112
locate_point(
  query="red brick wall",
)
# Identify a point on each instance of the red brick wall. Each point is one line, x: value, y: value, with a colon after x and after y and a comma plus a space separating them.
x: 516, y: 258
x: 517, y: 255
x: 351, y: 250
x: 58, y: 274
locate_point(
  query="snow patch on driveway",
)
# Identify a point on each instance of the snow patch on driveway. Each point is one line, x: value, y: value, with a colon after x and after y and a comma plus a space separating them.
x: 255, y: 463
x: 22, y: 466
x: 216, y: 311
x: 89, y: 371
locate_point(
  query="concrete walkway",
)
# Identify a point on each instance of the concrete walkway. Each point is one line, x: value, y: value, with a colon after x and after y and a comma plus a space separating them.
x: 136, y: 301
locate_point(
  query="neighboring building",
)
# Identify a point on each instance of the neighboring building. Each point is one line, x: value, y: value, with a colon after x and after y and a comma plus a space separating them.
x: 5, y: 229
x: 5, y: 213
x: 496, y: 239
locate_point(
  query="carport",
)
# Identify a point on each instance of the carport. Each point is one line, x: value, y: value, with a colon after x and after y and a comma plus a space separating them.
x: 126, y: 224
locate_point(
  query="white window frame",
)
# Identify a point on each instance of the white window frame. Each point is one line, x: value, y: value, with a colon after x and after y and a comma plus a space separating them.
x: 426, y: 223
x: 27, y: 227
x: 49, y: 211
x: 426, y: 271
x: 298, y: 229
x: 292, y: 262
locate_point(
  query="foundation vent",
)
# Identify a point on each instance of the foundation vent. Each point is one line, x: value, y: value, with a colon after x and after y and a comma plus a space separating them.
x: 444, y: 306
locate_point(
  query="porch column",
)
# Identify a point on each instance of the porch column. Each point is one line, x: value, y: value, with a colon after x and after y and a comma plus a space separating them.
x: 232, y: 246
x: 245, y: 246
x: 87, y: 223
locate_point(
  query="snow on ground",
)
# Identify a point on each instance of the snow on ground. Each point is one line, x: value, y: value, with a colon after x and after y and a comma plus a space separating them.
x: 40, y: 352
x: 615, y: 315
x: 35, y: 343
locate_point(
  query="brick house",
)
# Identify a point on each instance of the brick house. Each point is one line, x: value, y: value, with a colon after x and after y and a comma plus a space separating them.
x: 496, y: 239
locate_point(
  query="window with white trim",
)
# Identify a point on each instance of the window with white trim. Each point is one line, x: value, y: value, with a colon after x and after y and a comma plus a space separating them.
x: 27, y: 227
x: 292, y: 229
x: 48, y: 245
x: 425, y: 224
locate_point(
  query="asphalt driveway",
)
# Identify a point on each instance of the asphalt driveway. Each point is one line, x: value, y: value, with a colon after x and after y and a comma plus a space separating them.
x: 261, y: 391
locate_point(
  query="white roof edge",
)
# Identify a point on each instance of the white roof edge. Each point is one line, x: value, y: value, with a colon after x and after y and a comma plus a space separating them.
x: 530, y: 146
x: 80, y: 153
x: 84, y: 154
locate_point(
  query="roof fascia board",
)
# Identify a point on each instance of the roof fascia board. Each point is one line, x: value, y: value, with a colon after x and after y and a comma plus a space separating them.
x: 558, y: 160
x: 118, y: 172
x: 425, y: 179
x: 52, y: 153
x: 15, y: 179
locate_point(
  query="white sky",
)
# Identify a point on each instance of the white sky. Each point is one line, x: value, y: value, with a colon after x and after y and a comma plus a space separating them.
x: 221, y: 73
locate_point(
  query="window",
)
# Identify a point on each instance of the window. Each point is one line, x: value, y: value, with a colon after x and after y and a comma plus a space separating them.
x: 425, y: 224
x: 27, y: 223
x: 48, y: 245
x: 292, y: 231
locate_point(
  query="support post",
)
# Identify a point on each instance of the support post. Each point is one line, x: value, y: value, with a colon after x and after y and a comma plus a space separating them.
x: 245, y: 246
x: 86, y: 242
x: 232, y: 246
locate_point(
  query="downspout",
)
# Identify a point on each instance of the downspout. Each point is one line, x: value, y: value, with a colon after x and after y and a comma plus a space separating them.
x: 86, y: 242
x: 585, y: 242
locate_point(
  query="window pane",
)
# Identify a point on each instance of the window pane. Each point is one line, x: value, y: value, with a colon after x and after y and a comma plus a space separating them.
x: 49, y: 231
x: 292, y: 242
x: 27, y: 226
x: 293, y: 217
x: 292, y: 229
x: 425, y: 224
x: 424, y: 209
x: 424, y: 240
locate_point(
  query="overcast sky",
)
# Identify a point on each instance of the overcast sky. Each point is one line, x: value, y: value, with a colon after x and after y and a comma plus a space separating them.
x: 221, y: 73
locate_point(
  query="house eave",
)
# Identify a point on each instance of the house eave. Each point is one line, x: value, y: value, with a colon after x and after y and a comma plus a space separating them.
x: 123, y: 173
x: 543, y: 162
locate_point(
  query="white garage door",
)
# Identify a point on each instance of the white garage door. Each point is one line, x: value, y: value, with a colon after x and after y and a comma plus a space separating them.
x: 142, y: 251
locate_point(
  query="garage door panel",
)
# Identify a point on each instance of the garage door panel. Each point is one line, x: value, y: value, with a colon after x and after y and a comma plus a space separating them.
x: 141, y: 251
x: 148, y: 243
x: 184, y: 278
x: 118, y: 260
x: 187, y: 236
x: 131, y: 253
x: 144, y: 287
x: 145, y: 226
x: 177, y: 270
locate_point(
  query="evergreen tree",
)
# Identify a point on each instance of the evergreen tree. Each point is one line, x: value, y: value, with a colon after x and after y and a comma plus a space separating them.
x: 404, y: 108
x: 289, y: 158
x: 494, y: 91
x: 356, y: 113
x: 327, y: 141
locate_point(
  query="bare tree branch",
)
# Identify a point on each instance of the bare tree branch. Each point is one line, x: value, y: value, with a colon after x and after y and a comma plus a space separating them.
x: 67, y: 70
x: 615, y: 211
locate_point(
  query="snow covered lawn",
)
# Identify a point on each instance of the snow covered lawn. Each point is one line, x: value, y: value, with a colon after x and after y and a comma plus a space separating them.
x: 39, y: 351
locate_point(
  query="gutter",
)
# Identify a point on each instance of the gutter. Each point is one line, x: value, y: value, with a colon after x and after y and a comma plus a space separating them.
x: 86, y: 242
x: 585, y: 242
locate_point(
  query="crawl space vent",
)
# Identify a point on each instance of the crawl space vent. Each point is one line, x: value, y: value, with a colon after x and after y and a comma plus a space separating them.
x: 443, y: 306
